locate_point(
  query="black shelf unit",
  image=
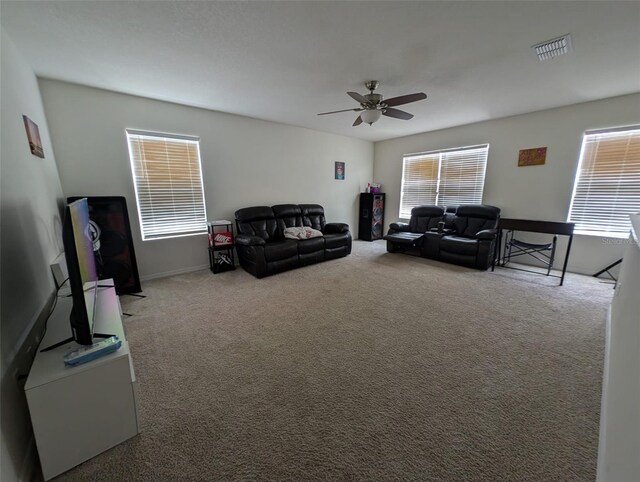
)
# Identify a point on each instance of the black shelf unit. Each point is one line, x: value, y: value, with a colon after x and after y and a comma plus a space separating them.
x: 371, y: 218
x: 221, y: 257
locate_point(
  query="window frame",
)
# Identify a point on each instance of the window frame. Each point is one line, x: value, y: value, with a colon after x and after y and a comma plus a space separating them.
x: 164, y: 136
x: 440, y: 153
x: 577, y: 178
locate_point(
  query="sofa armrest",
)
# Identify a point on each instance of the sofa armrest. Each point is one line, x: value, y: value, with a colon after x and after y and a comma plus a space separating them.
x: 246, y: 240
x: 402, y: 227
x: 487, y: 234
x: 333, y: 228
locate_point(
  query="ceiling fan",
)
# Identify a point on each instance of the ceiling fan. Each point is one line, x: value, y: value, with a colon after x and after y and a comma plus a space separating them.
x: 373, y: 106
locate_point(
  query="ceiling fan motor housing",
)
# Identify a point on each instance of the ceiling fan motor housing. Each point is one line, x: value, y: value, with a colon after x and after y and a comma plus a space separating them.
x: 373, y: 100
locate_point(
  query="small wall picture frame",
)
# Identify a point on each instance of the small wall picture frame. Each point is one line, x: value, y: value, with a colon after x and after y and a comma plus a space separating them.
x: 33, y: 136
x: 339, y: 171
x: 532, y: 157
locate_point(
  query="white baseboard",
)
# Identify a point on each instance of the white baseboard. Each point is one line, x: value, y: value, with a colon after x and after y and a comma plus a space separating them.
x: 174, y: 272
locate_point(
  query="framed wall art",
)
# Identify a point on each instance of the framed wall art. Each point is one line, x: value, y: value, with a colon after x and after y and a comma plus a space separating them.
x: 532, y: 157
x: 33, y: 136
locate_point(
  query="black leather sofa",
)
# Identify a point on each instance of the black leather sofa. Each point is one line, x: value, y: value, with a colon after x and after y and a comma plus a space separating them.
x: 466, y: 237
x: 263, y: 249
x: 470, y: 241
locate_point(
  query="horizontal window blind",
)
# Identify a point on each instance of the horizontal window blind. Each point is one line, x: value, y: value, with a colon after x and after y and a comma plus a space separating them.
x: 462, y: 176
x: 167, y: 177
x: 607, y: 185
x: 419, y: 182
x: 446, y: 178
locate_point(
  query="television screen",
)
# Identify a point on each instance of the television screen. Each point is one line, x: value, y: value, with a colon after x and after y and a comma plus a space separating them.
x: 83, y: 278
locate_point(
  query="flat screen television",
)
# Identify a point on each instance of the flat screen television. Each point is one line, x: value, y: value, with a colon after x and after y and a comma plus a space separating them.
x: 83, y: 278
x: 81, y: 263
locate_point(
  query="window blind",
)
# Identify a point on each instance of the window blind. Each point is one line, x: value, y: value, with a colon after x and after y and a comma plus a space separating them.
x: 607, y: 185
x: 446, y: 178
x: 419, y: 182
x: 462, y: 176
x: 167, y: 178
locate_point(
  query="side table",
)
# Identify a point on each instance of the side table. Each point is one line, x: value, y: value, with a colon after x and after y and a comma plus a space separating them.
x: 221, y: 244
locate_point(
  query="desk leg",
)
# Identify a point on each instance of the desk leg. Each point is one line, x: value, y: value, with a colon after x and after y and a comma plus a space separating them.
x: 566, y: 260
x: 496, y: 250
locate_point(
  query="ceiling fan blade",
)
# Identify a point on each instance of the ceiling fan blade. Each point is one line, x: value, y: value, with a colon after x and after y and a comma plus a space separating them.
x: 344, y: 110
x: 358, y: 121
x: 405, y: 99
x: 358, y: 97
x: 397, y: 113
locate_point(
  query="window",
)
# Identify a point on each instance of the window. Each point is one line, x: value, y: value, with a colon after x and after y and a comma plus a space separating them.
x: 167, y: 177
x: 607, y: 185
x: 444, y: 178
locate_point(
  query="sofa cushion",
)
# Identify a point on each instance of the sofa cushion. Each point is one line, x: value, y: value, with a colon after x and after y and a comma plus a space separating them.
x: 287, y: 216
x: 423, y: 218
x: 257, y: 221
x: 313, y: 216
x: 470, y: 226
x: 459, y: 245
x: 473, y: 218
x: 278, y: 250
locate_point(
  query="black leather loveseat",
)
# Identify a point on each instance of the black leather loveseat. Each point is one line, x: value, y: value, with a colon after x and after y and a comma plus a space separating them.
x: 263, y: 249
x: 466, y: 237
x: 470, y: 241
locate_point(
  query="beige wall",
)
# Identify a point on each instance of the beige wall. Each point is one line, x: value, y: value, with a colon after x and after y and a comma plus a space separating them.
x: 245, y: 162
x: 534, y: 192
x: 30, y: 240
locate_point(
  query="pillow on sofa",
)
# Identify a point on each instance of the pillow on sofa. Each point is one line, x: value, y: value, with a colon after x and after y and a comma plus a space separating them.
x: 301, y: 233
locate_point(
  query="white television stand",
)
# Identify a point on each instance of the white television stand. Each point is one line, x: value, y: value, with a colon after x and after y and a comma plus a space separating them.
x: 79, y: 412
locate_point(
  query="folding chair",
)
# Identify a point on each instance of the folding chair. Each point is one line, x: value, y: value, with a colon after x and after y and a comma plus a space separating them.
x: 545, y: 253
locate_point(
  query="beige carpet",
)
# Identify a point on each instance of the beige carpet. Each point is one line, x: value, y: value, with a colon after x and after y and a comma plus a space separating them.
x: 372, y: 367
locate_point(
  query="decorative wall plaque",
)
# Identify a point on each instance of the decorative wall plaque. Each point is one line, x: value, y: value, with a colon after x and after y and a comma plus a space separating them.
x: 532, y: 157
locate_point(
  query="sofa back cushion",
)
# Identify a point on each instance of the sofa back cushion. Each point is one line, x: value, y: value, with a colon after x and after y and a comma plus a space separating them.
x: 473, y: 218
x: 257, y: 221
x: 313, y: 216
x: 423, y: 218
x: 287, y: 216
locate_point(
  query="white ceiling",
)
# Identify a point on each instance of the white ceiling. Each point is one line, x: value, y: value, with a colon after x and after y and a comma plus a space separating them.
x: 287, y: 61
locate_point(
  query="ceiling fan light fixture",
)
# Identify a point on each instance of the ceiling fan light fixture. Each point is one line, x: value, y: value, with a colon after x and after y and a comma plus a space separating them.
x: 370, y: 116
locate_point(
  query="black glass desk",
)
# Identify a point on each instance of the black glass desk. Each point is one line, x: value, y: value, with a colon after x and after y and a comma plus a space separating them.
x: 545, y: 227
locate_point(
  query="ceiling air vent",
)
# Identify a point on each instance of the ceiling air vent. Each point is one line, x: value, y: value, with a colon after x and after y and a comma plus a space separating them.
x: 552, y: 48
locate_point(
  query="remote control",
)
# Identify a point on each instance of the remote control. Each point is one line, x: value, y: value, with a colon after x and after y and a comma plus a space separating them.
x: 91, y: 352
